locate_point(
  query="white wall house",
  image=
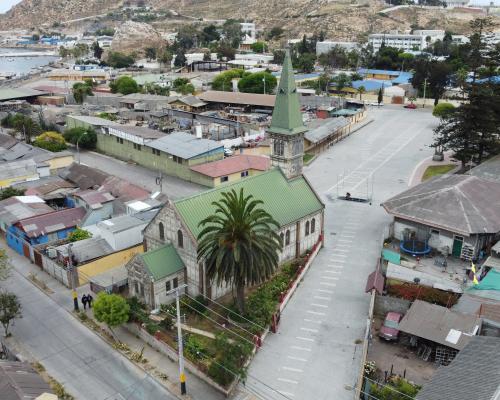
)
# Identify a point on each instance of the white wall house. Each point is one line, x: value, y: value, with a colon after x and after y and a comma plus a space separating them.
x: 327, y: 45
x: 399, y: 41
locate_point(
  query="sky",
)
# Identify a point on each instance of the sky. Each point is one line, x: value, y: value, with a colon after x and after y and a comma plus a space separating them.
x: 6, y: 5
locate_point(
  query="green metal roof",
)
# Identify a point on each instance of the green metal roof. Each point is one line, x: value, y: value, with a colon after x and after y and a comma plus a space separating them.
x: 287, y: 118
x: 162, y: 262
x: 286, y: 200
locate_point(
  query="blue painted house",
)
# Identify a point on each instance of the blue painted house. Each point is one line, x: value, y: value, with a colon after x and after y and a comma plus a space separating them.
x: 45, y: 228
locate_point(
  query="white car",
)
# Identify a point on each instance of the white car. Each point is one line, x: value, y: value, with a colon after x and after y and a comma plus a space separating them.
x: 228, y: 152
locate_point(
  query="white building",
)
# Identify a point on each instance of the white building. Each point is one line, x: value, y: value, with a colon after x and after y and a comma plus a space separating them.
x: 459, y: 39
x: 456, y: 3
x: 399, y: 41
x: 248, y: 28
x: 327, y: 45
x: 434, y: 34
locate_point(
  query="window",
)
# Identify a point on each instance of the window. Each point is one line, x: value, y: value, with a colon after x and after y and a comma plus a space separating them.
x: 161, y: 230
x: 176, y: 282
x: 313, y: 225
x: 155, y: 151
x: 307, y: 228
x: 287, y: 237
x: 279, y: 147
x: 434, y: 232
x: 168, y: 286
x: 137, y: 146
x: 282, y: 237
x: 244, y: 173
x: 224, y: 178
x: 119, y: 140
x: 136, y: 287
x: 180, y: 239
x: 177, y: 160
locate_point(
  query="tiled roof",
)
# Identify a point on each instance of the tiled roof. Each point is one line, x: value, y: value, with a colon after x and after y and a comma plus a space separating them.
x: 474, y: 374
x: 162, y: 262
x: 286, y: 200
x: 233, y: 165
x: 85, y: 177
x: 52, y: 222
x: 458, y: 203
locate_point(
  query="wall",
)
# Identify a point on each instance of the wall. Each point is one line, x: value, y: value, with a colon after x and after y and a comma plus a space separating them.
x: 106, y: 263
x: 9, y: 181
x: 385, y: 304
x: 55, y: 270
x: 160, y: 289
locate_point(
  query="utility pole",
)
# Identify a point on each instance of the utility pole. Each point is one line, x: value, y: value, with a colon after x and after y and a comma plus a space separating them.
x: 425, y: 86
x: 264, y: 80
x: 72, y: 277
x: 182, y: 377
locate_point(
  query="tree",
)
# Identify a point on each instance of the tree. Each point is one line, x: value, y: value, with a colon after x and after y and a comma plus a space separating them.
x: 231, y: 30
x: 439, y: 77
x: 150, y: 53
x: 254, y: 83
x: 79, y: 234
x: 380, y: 96
x: 342, y: 81
x: 239, y: 243
x: 35, y: 37
x: 11, y: 192
x: 124, y: 85
x: 275, y: 33
x: 97, y: 50
x: 210, y: 34
x: 259, y: 47
x: 10, y: 308
x: 111, y: 309
x: 22, y: 124
x: 305, y: 62
x: 86, y: 138
x: 361, y: 90
x: 443, y: 110
x: 51, y: 140
x: 278, y: 56
x: 5, y: 266
x: 180, y: 59
x: 64, y: 52
x: 165, y: 57
x: 223, y: 81
x: 81, y: 91
x: 183, y: 86
x: 225, y: 51
x: 187, y: 37
x: 119, y: 60
x: 80, y: 50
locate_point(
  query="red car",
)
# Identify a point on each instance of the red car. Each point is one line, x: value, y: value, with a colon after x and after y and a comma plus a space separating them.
x: 389, y: 329
x: 411, y: 106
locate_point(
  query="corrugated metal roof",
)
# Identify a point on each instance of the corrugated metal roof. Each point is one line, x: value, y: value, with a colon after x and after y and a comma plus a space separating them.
x: 324, y: 131
x: 286, y: 200
x: 439, y: 324
x: 19, y: 93
x: 474, y: 374
x: 184, y: 145
x: 121, y: 223
x: 162, y: 262
x: 251, y: 99
x: 138, y: 131
x: 95, y: 121
x: 458, y: 203
x: 18, y: 381
x: 233, y: 165
x: 87, y: 249
x: 52, y: 222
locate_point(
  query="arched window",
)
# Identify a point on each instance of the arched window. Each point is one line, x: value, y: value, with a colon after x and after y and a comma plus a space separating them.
x: 161, y: 229
x: 180, y: 239
x: 287, y: 237
x: 307, y: 228
x: 282, y: 237
x: 313, y: 225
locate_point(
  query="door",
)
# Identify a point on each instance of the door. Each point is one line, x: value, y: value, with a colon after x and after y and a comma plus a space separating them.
x: 458, y: 242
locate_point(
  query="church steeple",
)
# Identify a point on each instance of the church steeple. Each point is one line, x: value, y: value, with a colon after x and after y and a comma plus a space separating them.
x: 287, y: 128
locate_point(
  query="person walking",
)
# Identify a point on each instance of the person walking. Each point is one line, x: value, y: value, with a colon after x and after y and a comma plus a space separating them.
x: 89, y: 300
x: 84, y: 301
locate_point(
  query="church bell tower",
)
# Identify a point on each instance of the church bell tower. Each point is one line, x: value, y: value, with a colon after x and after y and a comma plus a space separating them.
x: 287, y: 128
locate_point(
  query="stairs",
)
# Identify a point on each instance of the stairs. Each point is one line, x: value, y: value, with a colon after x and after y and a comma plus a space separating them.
x: 467, y: 252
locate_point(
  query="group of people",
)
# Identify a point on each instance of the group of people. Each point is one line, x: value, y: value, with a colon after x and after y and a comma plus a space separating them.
x: 87, y: 301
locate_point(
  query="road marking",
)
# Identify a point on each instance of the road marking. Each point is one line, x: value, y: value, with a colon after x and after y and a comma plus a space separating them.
x: 347, y: 236
x: 335, y: 266
x: 325, y: 291
x: 313, y: 321
x: 328, y: 284
x: 323, y: 298
x: 301, y: 348
x: 342, y: 245
x: 319, y: 305
x: 338, y: 255
x: 330, y: 278
x: 304, y: 338
x: 288, y: 381
x: 286, y: 393
x: 332, y: 272
x: 297, y: 358
x: 343, y: 251
x: 344, y: 240
x: 292, y: 369
x: 309, y: 330
x: 315, y: 312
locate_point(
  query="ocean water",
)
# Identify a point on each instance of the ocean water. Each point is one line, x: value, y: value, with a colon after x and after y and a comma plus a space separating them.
x: 22, y: 65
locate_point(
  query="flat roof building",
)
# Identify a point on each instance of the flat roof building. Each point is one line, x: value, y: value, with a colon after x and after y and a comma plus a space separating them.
x: 399, y: 41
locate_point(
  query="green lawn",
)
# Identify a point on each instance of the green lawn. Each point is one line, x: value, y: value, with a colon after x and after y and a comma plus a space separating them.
x: 435, y: 170
x: 308, y: 158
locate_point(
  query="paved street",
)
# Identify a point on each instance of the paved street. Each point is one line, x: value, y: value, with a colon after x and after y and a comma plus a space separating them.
x: 315, y: 355
x: 173, y: 187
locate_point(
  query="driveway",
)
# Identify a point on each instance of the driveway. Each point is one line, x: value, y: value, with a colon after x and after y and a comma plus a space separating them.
x: 316, y: 353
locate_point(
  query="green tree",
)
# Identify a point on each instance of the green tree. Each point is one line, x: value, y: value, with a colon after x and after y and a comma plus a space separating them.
x: 183, y: 86
x: 10, y: 308
x: 124, y: 85
x: 259, y: 47
x: 439, y: 77
x: 165, y: 57
x: 11, y: 192
x: 180, y: 59
x: 111, y: 309
x: 80, y: 50
x: 223, y: 81
x: 79, y: 234
x: 342, y: 81
x: 239, y: 243
x: 275, y: 33
x: 51, y: 140
x: 380, y: 96
x: 150, y: 53
x: 97, y: 50
x: 305, y: 62
x: 254, y: 83
x: 64, y: 52
x: 278, y: 56
x: 210, y: 34
x: 22, y: 124
x: 361, y: 90
x: 225, y: 51
x: 86, y: 138
x: 119, y: 60
x: 231, y: 29
x: 81, y: 91
x: 443, y: 110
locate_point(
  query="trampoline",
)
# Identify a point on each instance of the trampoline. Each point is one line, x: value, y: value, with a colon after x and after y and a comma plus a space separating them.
x: 415, y: 247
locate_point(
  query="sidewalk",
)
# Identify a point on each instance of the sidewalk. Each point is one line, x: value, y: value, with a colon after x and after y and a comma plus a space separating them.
x: 418, y: 172
x: 197, y: 389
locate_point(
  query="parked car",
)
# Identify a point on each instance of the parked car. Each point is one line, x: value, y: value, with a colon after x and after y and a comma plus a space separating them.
x: 228, y: 152
x: 411, y: 106
x: 390, y: 328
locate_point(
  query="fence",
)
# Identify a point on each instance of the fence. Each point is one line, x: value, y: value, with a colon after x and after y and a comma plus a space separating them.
x: 54, y: 269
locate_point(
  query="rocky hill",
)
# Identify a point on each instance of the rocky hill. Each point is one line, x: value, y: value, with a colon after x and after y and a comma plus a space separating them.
x: 339, y: 19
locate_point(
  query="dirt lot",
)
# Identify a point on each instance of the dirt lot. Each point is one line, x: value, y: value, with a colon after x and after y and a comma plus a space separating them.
x: 387, y: 354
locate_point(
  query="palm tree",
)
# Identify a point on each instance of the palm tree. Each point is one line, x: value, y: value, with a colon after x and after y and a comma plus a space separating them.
x: 239, y: 243
x: 361, y: 90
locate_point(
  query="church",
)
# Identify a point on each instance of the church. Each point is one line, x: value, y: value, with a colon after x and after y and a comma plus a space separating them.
x: 170, y: 239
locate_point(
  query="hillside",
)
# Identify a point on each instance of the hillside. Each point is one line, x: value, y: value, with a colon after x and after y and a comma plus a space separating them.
x: 340, y: 19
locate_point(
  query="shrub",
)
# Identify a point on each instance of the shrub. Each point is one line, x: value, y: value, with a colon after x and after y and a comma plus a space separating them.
x: 51, y: 141
x: 79, y: 234
x: 10, y: 192
x: 167, y: 323
x: 443, y: 110
x: 195, y: 348
x: 151, y: 327
x: 119, y: 60
x: 124, y: 85
x: 86, y: 138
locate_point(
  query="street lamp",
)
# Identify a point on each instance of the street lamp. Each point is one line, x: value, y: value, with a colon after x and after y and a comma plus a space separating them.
x: 77, y: 147
x: 264, y: 80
